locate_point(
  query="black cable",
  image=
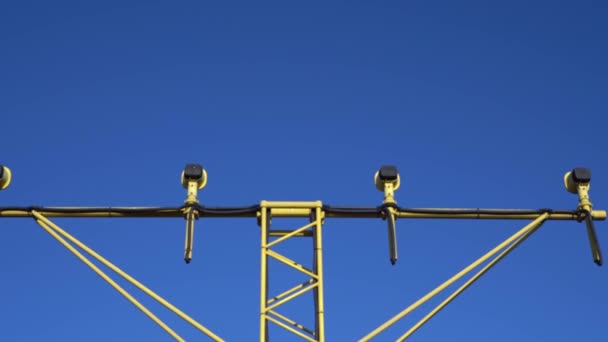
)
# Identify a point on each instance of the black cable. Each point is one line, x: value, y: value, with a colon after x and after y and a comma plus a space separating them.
x: 352, y: 210
x: 252, y: 210
x: 478, y: 211
x: 84, y: 210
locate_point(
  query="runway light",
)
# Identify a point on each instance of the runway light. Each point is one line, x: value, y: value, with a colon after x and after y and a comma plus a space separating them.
x: 5, y: 177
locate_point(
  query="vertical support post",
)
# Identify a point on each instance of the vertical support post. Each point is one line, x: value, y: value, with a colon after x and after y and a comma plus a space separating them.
x: 392, y: 235
x: 191, y: 215
x: 270, y: 307
x: 318, y: 268
x: 264, y: 223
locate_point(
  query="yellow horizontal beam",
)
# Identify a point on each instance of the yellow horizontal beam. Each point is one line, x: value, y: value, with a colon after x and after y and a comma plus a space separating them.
x: 598, y: 215
x: 290, y: 212
x: 289, y: 205
x: 283, y: 232
x: 96, y: 213
x: 293, y: 233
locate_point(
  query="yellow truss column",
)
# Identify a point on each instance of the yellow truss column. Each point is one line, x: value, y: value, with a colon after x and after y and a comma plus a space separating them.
x: 268, y: 305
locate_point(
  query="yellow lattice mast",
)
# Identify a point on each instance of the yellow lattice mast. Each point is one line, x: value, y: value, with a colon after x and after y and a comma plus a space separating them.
x: 387, y: 180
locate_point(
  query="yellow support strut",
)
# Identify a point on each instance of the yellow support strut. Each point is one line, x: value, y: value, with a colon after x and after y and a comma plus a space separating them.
x: 54, y: 230
x: 469, y: 282
x: 528, y: 228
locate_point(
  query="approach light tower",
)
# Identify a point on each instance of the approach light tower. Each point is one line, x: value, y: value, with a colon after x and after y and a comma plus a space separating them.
x: 387, y: 180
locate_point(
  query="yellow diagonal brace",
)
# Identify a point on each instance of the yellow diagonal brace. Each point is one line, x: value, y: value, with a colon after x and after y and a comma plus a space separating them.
x: 110, y: 281
x: 291, y: 263
x: 292, y: 322
x: 469, y: 282
x: 127, y: 277
x: 454, y: 278
x: 288, y: 328
x: 293, y: 233
x: 290, y: 291
x: 290, y: 297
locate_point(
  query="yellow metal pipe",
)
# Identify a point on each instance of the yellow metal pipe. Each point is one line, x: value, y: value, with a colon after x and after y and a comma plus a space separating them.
x: 598, y: 215
x: 263, y: 274
x: 127, y: 277
x: 454, y: 278
x: 293, y: 233
x: 109, y: 280
x: 292, y: 330
x: 290, y: 291
x: 291, y: 322
x: 189, y: 241
x: 285, y: 260
x: 290, y: 212
x: 290, y: 297
x: 469, y: 282
x: 318, y: 245
x: 289, y: 205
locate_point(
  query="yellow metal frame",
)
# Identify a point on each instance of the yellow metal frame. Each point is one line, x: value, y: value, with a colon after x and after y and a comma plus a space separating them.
x: 268, y: 305
x: 387, y: 180
x: 315, y: 213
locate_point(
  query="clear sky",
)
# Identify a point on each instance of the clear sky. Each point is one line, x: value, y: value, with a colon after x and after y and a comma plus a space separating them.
x: 478, y: 103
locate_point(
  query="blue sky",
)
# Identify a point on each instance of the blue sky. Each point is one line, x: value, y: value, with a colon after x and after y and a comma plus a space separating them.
x: 479, y: 104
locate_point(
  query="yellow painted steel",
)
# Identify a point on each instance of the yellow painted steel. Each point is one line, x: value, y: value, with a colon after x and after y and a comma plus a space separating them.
x: 291, y: 205
x: 5, y: 180
x: 291, y: 234
x: 41, y: 219
x: 290, y: 329
x: 291, y: 322
x: 109, y: 280
x: 316, y: 213
x: 290, y: 291
x: 469, y: 282
x: 313, y: 229
x: 101, y: 214
x: 597, y: 215
x: 264, y: 274
x: 290, y: 297
x: 313, y: 211
x: 290, y: 212
x: 191, y: 215
x: 285, y: 260
x: 319, y: 295
x: 454, y: 278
